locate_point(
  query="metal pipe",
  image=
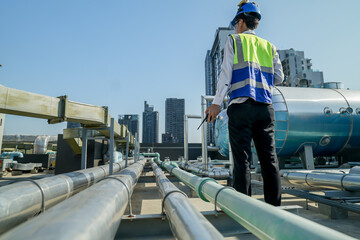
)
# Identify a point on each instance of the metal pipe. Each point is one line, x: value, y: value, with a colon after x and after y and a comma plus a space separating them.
x: 319, y: 199
x: 20, y: 201
x: 349, y: 182
x: 263, y: 220
x: 204, y: 134
x: 186, y: 135
x: 84, y: 148
x: 186, y: 221
x: 95, y: 213
x: 127, y: 148
x: 136, y: 148
x: 111, y: 143
x: 154, y: 155
x: 186, y: 152
x: 2, y: 124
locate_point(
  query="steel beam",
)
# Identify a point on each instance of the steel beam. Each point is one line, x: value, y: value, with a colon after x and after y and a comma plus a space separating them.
x: 2, y: 123
x: 22, y: 103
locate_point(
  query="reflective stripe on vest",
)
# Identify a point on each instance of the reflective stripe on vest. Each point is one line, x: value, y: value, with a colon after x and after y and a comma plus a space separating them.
x: 253, y: 71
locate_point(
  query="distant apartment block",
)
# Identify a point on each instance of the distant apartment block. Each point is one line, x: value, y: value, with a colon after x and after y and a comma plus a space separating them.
x: 131, y: 121
x: 298, y: 70
x: 150, y: 131
x: 174, y: 118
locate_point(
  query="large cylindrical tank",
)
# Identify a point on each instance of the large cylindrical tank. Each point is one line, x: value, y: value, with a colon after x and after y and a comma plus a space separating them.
x: 326, y: 119
x: 334, y: 85
x: 222, y: 133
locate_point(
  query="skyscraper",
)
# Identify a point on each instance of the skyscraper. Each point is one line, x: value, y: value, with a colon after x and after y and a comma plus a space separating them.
x: 174, y: 118
x: 297, y: 68
x: 131, y: 121
x: 213, y: 61
x: 150, y: 124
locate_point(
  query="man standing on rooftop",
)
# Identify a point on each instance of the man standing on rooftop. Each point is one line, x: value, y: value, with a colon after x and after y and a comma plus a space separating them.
x: 250, y: 69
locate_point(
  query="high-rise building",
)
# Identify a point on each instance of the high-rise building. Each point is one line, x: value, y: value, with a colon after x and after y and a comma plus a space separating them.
x: 131, y: 121
x: 298, y: 69
x: 174, y: 118
x: 150, y: 131
x: 213, y: 61
x: 167, y: 138
x: 2, y: 123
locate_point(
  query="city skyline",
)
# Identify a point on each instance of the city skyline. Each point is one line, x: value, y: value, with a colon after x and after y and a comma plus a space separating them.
x: 97, y: 53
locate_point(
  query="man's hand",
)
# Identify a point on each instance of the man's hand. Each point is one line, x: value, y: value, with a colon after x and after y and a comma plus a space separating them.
x: 213, y: 111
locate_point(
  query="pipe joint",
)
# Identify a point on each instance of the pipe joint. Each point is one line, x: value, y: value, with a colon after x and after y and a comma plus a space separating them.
x: 198, y: 189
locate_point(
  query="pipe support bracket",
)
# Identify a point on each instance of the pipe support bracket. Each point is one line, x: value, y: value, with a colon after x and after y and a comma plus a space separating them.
x: 342, y: 182
x: 198, y: 190
x: 127, y: 189
x: 217, y: 194
x: 41, y: 191
x: 165, y: 197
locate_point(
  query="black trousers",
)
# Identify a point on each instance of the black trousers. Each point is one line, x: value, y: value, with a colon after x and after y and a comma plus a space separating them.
x: 253, y: 120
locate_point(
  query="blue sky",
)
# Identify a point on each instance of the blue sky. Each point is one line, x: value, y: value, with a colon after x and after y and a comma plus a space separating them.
x: 119, y: 53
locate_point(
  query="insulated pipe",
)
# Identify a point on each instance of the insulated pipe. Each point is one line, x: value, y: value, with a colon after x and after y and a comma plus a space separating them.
x: 22, y: 200
x: 186, y: 221
x: 95, y: 213
x: 263, y: 220
x: 348, y: 182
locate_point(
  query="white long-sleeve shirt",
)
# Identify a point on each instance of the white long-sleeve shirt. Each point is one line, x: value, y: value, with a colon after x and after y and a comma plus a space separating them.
x: 224, y: 82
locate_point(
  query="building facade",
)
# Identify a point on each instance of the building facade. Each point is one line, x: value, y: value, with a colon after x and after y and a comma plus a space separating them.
x: 131, y: 121
x: 298, y: 70
x: 150, y: 131
x: 167, y: 138
x: 174, y: 118
x: 213, y: 61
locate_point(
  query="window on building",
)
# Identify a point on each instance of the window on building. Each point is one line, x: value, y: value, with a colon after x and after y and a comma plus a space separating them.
x: 304, y: 75
x: 303, y: 68
x: 287, y: 55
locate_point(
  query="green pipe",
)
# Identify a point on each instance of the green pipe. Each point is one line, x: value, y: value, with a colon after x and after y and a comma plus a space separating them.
x: 263, y: 220
x: 156, y: 155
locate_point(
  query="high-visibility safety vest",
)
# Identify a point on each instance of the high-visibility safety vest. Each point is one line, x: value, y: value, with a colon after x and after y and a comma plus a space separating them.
x: 253, y: 70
